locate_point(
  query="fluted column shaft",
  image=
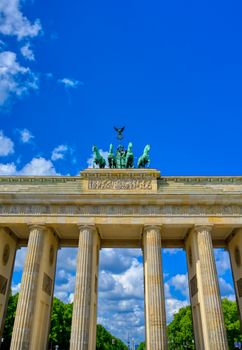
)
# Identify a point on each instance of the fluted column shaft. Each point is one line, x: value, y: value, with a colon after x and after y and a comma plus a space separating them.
x: 156, y: 338
x: 83, y: 290
x: 205, y: 297
x: 235, y: 253
x: 25, y: 309
x: 8, y: 246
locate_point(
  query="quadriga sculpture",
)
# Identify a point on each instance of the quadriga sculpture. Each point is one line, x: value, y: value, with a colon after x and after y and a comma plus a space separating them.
x: 98, y: 159
x: 144, y: 160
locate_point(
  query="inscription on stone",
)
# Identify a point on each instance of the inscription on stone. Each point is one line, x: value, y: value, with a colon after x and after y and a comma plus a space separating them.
x: 120, y: 184
x: 193, y: 285
x: 239, y: 286
x: 3, y: 284
x: 47, y: 284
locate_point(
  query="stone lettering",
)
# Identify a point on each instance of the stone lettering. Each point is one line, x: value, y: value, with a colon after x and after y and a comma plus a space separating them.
x: 120, y: 184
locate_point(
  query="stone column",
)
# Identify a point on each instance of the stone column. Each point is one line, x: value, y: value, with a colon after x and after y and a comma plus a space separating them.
x: 8, y: 246
x: 83, y: 330
x: 235, y: 250
x: 32, y: 319
x: 208, y: 320
x: 155, y: 315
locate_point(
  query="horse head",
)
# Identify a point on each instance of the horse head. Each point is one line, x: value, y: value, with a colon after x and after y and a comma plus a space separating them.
x: 147, y: 149
x: 94, y: 148
x: 130, y: 145
x: 111, y: 148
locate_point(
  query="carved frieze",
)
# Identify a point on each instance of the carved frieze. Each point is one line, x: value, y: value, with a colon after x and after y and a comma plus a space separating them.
x: 120, y: 210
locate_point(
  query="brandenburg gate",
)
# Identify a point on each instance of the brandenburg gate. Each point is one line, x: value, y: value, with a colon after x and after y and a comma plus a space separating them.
x: 118, y: 208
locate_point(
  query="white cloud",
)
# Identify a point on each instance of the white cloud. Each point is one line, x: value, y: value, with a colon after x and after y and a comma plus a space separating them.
x: 6, y: 144
x: 25, y: 136
x: 104, y: 154
x: 15, y: 288
x: 222, y: 261
x: 173, y: 305
x: 27, y: 52
x: 14, y: 23
x: 38, y: 166
x: 225, y: 287
x: 180, y: 283
x: 15, y: 80
x: 117, y: 260
x: 172, y: 251
x: 70, y: 83
x: 59, y: 152
x: 8, y: 169
x: 20, y: 258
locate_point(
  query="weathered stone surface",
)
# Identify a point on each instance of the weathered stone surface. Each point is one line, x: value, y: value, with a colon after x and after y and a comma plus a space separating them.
x: 156, y: 338
x: 204, y: 291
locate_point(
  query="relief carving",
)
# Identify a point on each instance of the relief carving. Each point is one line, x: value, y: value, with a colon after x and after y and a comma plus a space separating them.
x: 47, y: 284
x: 121, y: 210
x: 193, y: 286
x: 3, y: 284
x: 239, y: 286
x: 6, y: 254
x: 120, y: 184
x: 237, y: 256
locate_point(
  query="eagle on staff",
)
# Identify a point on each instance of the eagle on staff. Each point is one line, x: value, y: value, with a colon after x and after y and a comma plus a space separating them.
x: 120, y: 131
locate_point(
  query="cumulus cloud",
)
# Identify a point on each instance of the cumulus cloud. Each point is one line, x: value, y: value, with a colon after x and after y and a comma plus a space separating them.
x: 70, y: 83
x: 25, y: 135
x: 38, y: 166
x: 173, y: 305
x: 6, y: 144
x: 59, y: 152
x: 14, y: 23
x: 15, y: 80
x: 180, y: 283
x: 8, y: 169
x: 27, y: 52
x: 225, y: 287
x: 222, y: 261
x: 15, y: 288
x: 172, y: 251
x: 20, y: 258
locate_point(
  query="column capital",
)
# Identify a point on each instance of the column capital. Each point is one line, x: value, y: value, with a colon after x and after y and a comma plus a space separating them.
x: 90, y: 227
x: 199, y: 228
x: 37, y: 226
x: 152, y: 227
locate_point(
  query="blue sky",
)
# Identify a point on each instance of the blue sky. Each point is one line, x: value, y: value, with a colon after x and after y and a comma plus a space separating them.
x: 170, y: 71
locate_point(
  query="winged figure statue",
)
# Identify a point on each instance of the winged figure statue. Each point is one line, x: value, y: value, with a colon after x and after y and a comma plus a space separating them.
x: 120, y: 131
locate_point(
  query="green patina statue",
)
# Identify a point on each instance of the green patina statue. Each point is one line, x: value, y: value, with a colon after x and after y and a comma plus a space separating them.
x: 123, y: 159
x: 98, y: 159
x: 145, y: 158
x: 129, y: 157
x: 111, y: 158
